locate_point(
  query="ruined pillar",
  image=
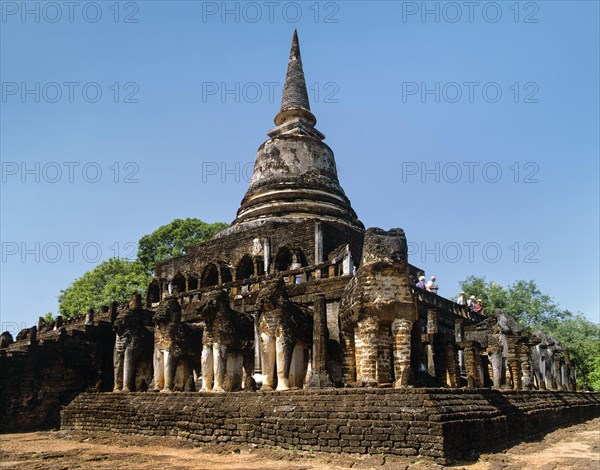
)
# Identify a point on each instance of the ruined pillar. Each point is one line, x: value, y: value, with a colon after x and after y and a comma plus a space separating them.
x: 367, y: 352
x: 473, y: 366
x: 452, y: 369
x: 513, y: 363
x: 33, y: 336
x: 89, y: 317
x: 430, y: 359
x: 319, y: 256
x: 266, y: 254
x: 401, y: 330
x: 348, y: 355
x: 432, y: 329
x: 113, y: 311
x: 320, y: 377
x: 432, y: 321
x: 347, y: 263
x: 384, y: 356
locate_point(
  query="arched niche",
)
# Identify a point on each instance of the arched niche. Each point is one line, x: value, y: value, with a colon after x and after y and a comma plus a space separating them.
x: 244, y: 269
x: 210, y: 276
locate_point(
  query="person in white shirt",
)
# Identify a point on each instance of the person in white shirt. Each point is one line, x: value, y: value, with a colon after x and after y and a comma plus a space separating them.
x: 432, y: 286
x: 462, y: 299
x: 471, y: 303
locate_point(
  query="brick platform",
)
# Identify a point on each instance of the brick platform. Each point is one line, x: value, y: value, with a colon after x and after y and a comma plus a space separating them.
x: 441, y: 424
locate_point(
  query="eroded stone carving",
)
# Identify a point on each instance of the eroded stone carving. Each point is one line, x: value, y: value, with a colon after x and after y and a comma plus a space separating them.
x: 227, y: 344
x: 377, y: 312
x: 177, y: 349
x: 285, y: 330
x: 133, y: 347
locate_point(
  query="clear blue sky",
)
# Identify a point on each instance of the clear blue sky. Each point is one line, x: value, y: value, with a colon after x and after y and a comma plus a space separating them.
x: 367, y: 64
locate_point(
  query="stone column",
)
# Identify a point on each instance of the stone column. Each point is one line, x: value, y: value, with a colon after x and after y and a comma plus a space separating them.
x: 347, y: 264
x: 473, y: 366
x: 432, y: 321
x: 458, y: 330
x: 461, y: 360
x: 257, y: 348
x: 367, y: 351
x: 401, y: 330
x: 32, y: 336
x: 319, y: 378
x: 452, y: 370
x: 318, y: 243
x: 348, y: 356
x: 266, y: 254
x: 432, y: 329
x: 514, y: 363
x: 113, y: 310
x: 430, y: 359
x: 384, y: 359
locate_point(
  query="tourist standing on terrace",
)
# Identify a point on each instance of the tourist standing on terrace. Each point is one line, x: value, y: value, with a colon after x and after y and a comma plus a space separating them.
x: 471, y: 303
x: 421, y: 283
x: 432, y: 286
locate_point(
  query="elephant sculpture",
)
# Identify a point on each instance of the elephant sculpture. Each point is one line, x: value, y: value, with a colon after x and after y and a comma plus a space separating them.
x: 377, y: 312
x: 133, y: 347
x: 285, y: 332
x: 177, y: 349
x: 500, y: 353
x: 227, y: 344
x: 542, y: 359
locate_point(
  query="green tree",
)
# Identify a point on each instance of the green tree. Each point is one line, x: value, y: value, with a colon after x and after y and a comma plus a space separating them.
x: 174, y: 239
x: 115, y: 279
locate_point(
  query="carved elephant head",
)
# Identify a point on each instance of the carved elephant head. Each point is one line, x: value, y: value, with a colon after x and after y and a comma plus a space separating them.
x: 211, y: 304
x: 384, y: 247
x: 271, y: 295
x: 168, y: 313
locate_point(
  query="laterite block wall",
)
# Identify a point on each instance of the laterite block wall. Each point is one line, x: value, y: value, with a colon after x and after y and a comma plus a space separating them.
x: 437, y: 423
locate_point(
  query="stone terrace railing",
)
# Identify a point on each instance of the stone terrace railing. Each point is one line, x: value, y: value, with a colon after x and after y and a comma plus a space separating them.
x: 318, y: 272
x: 441, y: 303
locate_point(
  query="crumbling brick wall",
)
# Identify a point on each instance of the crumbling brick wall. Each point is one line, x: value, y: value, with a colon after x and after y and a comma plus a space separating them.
x: 37, y: 381
x: 441, y: 424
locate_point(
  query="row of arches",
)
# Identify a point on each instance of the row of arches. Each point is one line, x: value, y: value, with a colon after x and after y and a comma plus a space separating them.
x: 217, y: 273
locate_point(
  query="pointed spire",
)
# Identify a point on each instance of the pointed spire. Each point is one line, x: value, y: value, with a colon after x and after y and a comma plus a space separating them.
x: 294, y: 102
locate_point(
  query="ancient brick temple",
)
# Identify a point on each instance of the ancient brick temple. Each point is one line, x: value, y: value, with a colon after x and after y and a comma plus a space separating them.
x: 295, y: 295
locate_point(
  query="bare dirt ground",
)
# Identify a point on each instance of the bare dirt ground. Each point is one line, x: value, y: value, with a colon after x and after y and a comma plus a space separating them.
x: 573, y: 447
